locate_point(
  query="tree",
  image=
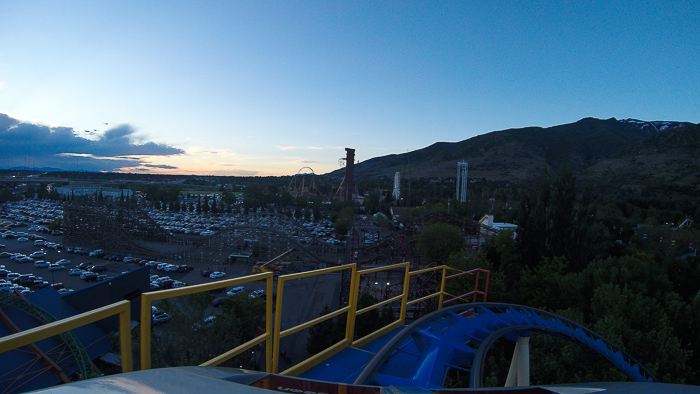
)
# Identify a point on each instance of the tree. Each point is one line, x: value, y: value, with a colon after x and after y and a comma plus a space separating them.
x: 56, y: 224
x: 555, y: 221
x: 323, y: 335
x: 344, y: 221
x: 205, y: 205
x: 188, y: 342
x: 438, y: 241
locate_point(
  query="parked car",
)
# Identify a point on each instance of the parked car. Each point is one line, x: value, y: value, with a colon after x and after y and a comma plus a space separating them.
x: 24, y: 280
x: 160, y: 318
x: 98, y: 268
x: 236, y: 290
x: 256, y: 294
x: 184, y: 268
x: 208, y: 321
x: 178, y: 283
x: 12, y: 276
x: 88, y: 276
x: 63, y: 262
x: 56, y: 267
x: 217, y: 274
x: 38, y: 253
x: 58, y: 286
x: 75, y: 272
x: 166, y: 284
x: 128, y: 259
x: 65, y: 291
x: 40, y: 284
x: 41, y: 264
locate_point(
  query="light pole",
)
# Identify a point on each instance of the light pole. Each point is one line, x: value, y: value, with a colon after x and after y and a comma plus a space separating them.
x: 51, y: 263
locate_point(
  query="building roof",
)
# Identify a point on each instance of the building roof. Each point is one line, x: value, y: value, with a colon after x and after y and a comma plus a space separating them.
x: 24, y: 370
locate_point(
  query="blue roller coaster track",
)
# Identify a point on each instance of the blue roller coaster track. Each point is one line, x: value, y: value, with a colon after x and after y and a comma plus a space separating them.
x: 459, y: 337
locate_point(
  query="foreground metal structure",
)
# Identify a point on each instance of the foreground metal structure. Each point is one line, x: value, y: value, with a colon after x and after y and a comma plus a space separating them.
x: 396, y: 358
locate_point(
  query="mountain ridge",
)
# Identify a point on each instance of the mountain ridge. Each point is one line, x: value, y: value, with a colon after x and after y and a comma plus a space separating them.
x: 519, y: 154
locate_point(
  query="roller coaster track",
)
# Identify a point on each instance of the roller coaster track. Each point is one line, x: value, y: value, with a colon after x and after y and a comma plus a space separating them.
x: 459, y: 337
x: 74, y: 345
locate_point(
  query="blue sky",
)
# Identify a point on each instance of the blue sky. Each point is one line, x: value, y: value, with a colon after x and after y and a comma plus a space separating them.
x: 266, y: 88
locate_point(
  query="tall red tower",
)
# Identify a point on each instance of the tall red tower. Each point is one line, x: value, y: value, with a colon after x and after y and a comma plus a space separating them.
x: 349, y: 174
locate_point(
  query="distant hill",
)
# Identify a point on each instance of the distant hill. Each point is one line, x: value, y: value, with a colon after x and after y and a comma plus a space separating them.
x: 43, y: 169
x: 520, y: 154
x: 671, y: 157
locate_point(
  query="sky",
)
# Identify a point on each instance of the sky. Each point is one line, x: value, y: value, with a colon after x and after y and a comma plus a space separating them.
x: 260, y: 88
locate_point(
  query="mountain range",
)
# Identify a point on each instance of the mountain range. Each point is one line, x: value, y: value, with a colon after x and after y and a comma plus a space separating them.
x: 628, y: 149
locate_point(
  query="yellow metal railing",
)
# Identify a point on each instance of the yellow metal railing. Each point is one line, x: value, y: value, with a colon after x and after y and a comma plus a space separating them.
x: 403, y: 297
x: 272, y: 335
x: 148, y: 298
x: 441, y: 293
x: 278, y: 334
x: 122, y: 308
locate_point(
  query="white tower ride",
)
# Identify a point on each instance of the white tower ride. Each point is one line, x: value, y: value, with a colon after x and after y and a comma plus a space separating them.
x: 397, y: 186
x: 462, y: 168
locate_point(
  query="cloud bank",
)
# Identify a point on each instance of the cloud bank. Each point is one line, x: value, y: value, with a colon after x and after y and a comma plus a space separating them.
x: 37, y: 146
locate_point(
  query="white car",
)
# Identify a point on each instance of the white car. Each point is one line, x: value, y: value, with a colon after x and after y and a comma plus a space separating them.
x: 217, y: 274
x: 235, y: 290
x: 63, y: 262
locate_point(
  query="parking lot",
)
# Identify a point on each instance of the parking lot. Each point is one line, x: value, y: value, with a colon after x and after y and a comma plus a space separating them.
x: 16, y: 245
x: 303, y: 299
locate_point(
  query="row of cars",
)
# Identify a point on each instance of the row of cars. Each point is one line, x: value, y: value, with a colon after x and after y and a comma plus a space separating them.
x: 89, y: 272
x: 160, y: 266
x: 22, y: 258
x: 165, y: 282
x: 239, y: 290
x: 25, y: 283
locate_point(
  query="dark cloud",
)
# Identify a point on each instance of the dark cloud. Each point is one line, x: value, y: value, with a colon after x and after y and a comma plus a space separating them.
x: 162, y: 166
x: 26, y: 144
